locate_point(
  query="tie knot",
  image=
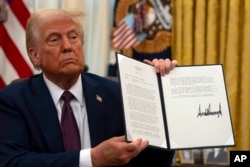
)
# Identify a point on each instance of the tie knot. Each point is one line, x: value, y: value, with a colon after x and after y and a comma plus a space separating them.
x: 67, y: 96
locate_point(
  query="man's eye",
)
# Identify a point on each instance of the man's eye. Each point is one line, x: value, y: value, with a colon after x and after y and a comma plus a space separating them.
x: 73, y: 38
x: 53, y: 41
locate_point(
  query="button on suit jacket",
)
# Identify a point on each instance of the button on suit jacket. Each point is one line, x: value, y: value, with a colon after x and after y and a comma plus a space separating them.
x: 30, y: 134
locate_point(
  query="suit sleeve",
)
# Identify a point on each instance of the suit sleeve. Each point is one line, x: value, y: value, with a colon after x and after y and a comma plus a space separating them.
x: 16, y: 142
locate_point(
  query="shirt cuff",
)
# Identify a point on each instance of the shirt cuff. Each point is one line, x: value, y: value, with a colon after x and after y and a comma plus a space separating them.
x: 85, y: 158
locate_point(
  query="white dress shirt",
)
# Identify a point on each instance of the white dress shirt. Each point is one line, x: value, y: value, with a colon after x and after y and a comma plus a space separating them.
x: 80, y: 113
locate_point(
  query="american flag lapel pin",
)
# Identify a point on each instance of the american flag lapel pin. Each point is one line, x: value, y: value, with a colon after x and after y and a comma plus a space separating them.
x: 98, y: 98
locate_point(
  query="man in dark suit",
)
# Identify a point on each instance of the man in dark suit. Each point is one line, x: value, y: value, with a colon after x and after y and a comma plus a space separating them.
x: 31, y: 110
x: 217, y: 155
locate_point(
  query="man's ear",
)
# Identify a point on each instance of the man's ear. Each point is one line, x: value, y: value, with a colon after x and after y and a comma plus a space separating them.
x: 34, y: 56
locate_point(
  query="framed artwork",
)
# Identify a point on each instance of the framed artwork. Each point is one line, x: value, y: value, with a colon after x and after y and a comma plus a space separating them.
x: 186, y: 157
x: 216, y: 156
x: 175, y: 158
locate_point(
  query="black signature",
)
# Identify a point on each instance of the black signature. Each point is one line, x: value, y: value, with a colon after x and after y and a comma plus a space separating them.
x: 209, y: 112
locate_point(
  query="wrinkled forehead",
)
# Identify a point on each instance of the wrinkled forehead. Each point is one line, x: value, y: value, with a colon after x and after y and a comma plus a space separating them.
x: 62, y: 23
x: 55, y: 15
x: 46, y: 18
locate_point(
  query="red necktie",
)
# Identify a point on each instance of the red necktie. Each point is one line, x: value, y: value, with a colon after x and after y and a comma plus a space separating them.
x: 71, y: 137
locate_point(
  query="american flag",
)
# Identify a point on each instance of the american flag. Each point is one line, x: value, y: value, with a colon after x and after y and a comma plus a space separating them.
x: 14, y: 61
x: 124, y: 36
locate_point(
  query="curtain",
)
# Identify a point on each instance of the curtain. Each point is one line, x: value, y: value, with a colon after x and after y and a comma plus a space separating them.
x: 217, y: 32
x: 40, y: 4
x: 98, y: 28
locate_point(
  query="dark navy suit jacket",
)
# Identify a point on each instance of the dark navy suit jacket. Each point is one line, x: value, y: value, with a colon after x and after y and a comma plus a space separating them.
x: 30, y: 134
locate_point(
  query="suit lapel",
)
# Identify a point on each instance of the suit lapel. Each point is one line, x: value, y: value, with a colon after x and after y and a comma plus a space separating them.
x: 46, y: 114
x: 95, y: 107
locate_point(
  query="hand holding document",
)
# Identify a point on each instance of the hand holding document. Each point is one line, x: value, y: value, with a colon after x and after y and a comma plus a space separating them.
x: 188, y: 108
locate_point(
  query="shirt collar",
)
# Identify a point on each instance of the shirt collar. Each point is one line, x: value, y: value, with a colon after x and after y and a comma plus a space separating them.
x: 56, y: 91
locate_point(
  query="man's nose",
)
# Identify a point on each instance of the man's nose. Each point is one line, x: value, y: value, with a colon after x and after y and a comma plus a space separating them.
x: 67, y: 46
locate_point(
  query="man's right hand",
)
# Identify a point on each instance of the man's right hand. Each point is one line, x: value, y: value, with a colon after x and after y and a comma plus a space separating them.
x: 116, y: 151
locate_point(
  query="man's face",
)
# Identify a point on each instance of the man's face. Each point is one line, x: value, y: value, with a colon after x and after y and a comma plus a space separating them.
x: 59, y: 49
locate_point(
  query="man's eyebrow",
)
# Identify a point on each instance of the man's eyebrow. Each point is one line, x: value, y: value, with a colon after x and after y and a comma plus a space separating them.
x: 74, y: 29
x: 51, y: 32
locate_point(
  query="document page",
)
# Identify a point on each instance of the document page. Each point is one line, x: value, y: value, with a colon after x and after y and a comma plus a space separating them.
x: 197, y: 108
x: 141, y: 101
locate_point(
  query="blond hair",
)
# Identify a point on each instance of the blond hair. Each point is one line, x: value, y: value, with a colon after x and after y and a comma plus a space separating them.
x: 44, y: 16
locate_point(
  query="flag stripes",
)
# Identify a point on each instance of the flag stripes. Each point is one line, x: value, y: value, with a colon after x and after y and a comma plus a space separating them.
x: 6, y: 69
x: 124, y: 36
x: 14, y: 62
x: 13, y: 54
x: 2, y: 84
x: 17, y: 33
x: 20, y: 11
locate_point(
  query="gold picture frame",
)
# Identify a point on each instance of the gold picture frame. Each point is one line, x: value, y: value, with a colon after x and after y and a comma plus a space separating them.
x: 174, y: 162
x: 186, y: 156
